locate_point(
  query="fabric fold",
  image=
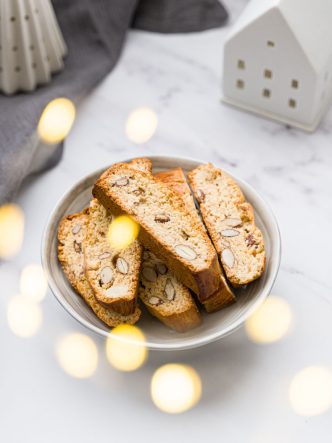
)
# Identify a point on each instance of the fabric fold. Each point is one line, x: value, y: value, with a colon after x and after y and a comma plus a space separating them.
x: 95, y: 31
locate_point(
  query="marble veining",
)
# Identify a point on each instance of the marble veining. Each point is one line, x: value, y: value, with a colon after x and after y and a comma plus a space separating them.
x: 245, y: 385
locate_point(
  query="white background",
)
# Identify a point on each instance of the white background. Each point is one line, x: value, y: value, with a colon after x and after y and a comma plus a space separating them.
x: 245, y: 386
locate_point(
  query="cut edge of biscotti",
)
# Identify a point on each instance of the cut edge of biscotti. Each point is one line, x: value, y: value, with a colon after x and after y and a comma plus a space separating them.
x: 176, y: 179
x: 165, y: 297
x: 230, y: 222
x: 71, y: 234
x: 113, y: 274
x: 140, y: 163
x: 167, y: 228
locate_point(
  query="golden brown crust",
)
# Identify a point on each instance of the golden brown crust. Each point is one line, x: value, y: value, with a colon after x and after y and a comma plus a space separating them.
x: 71, y: 234
x: 201, y: 277
x: 179, y: 321
x: 230, y: 222
x: 102, y: 262
x: 221, y: 299
x: 142, y: 164
x: 176, y: 178
x: 100, y: 258
x: 165, y: 297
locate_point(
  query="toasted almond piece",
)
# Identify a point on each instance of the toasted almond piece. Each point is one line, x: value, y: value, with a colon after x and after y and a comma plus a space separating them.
x: 139, y: 191
x: 200, y: 196
x: 162, y: 218
x: 123, y: 181
x: 149, y: 273
x: 104, y: 255
x: 117, y: 291
x: 153, y: 256
x: 169, y: 290
x: 106, y: 275
x: 250, y: 240
x: 161, y: 268
x: 185, y: 252
x: 228, y: 258
x: 76, y: 229
x: 155, y: 301
x: 232, y: 222
x: 146, y: 255
x: 184, y: 234
x: 122, y: 266
x: 77, y: 247
x: 230, y: 233
x: 224, y: 243
x: 94, y: 263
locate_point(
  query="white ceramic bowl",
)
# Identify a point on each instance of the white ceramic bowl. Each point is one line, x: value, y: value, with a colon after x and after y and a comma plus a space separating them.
x: 214, y: 326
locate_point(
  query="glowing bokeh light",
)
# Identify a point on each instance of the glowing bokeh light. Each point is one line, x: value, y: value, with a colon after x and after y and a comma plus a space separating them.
x: 33, y: 283
x: 56, y: 121
x: 24, y: 317
x: 122, y: 232
x: 77, y: 355
x: 270, y: 322
x: 141, y: 125
x: 310, y: 391
x: 175, y: 388
x: 125, y: 348
x: 11, y: 230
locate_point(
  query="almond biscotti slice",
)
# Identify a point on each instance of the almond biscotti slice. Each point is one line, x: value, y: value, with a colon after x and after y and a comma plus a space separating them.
x: 230, y: 222
x: 165, y: 297
x: 71, y: 234
x: 176, y: 179
x: 112, y: 274
x: 167, y: 227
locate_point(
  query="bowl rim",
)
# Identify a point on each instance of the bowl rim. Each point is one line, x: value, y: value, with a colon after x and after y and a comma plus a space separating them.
x: 193, y: 342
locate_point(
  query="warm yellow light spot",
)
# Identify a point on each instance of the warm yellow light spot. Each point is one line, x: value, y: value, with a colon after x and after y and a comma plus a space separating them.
x: 33, y: 283
x: 141, y: 125
x: 11, y: 230
x: 175, y: 388
x: 24, y: 317
x: 270, y: 322
x: 125, y: 348
x: 77, y: 355
x: 122, y: 232
x: 56, y: 120
x: 310, y: 391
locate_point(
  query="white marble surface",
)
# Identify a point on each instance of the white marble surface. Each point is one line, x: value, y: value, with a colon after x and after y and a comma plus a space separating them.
x: 245, y: 386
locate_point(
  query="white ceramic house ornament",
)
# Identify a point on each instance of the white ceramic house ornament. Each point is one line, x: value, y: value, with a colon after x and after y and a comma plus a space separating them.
x: 31, y: 44
x: 278, y: 61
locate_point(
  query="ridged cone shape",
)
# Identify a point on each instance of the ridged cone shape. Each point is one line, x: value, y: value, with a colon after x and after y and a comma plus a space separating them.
x: 31, y: 44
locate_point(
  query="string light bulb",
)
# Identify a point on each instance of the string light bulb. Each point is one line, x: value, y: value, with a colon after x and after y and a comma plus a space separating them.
x: 77, y: 355
x: 24, y: 317
x: 141, y: 125
x: 33, y: 283
x: 270, y: 322
x: 122, y: 232
x: 175, y: 388
x: 310, y: 391
x: 125, y: 348
x: 11, y: 230
x: 56, y: 121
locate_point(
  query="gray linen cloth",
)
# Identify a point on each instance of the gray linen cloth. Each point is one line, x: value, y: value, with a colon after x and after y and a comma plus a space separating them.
x: 94, y: 31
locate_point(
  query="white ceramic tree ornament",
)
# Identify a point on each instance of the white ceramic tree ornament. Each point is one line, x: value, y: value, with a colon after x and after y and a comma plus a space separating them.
x: 31, y: 44
x: 278, y: 61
